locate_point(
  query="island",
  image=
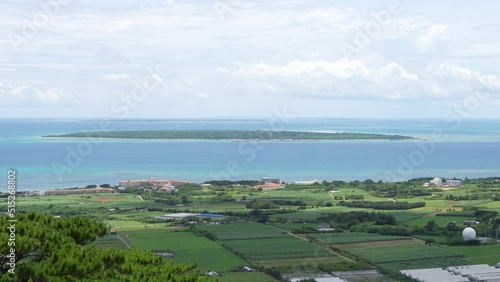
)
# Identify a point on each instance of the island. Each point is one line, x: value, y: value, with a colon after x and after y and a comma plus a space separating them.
x: 231, y: 135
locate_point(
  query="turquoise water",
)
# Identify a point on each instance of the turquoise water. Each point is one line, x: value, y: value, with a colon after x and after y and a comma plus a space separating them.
x: 468, y: 150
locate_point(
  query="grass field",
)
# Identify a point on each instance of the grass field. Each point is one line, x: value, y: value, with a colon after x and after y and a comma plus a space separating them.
x: 246, y: 277
x: 109, y: 241
x: 187, y: 247
x: 125, y: 225
x: 293, y: 226
x: 401, y: 252
x: 276, y: 248
x: 440, y: 220
x: 489, y: 254
x: 310, y: 261
x: 437, y: 239
x: 423, y: 263
x: 491, y: 205
x: 352, y: 237
x: 243, y: 231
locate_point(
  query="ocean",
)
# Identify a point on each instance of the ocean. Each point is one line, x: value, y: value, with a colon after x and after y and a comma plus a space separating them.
x: 466, y: 149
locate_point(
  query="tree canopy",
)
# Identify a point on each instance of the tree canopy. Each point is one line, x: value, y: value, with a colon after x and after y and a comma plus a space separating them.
x: 57, y: 249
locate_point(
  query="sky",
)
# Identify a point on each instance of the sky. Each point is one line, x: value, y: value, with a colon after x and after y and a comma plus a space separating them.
x: 249, y: 58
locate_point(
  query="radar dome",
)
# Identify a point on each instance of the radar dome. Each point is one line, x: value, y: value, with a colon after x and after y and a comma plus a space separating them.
x: 469, y: 233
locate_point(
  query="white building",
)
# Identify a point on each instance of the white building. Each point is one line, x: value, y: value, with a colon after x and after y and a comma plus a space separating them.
x: 437, y: 181
x: 453, y: 182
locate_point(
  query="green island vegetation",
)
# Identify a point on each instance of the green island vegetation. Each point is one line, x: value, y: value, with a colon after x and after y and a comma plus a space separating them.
x: 235, y: 231
x: 231, y: 135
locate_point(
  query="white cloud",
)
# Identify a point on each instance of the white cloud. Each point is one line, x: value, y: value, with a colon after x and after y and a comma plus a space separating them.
x: 479, y: 50
x: 115, y: 76
x: 281, y: 49
x: 32, y: 96
x: 351, y: 79
x: 434, y: 39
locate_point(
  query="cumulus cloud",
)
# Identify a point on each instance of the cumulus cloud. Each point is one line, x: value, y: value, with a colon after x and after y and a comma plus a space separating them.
x: 115, y: 76
x: 28, y: 95
x: 434, y: 39
x: 352, y: 79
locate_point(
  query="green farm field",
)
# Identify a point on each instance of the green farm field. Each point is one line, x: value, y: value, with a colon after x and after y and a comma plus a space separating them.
x: 352, y: 237
x: 187, y: 247
x: 488, y: 254
x: 405, y: 216
x: 243, y: 231
x: 293, y: 226
x: 423, y: 263
x: 310, y: 261
x: 245, y: 277
x: 401, y: 252
x: 130, y: 224
x: 276, y: 248
x: 440, y: 220
x: 109, y: 241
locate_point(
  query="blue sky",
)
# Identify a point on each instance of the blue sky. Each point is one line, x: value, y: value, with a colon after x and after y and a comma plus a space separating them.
x: 245, y: 58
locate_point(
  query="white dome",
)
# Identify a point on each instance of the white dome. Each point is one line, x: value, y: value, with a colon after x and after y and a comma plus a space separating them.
x: 469, y: 233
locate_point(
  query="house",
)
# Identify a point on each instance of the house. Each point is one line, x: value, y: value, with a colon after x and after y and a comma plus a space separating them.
x: 437, y: 182
x: 269, y: 186
x: 324, y: 227
x: 212, y: 274
x: 470, y: 222
x: 453, y: 182
x: 151, y: 182
x: 270, y: 180
x: 247, y: 269
x: 306, y: 182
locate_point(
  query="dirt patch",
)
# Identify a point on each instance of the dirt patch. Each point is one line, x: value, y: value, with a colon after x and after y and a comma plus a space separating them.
x: 105, y: 199
x: 448, y: 189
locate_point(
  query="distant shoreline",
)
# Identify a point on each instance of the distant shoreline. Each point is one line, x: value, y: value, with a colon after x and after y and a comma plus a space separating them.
x: 231, y: 135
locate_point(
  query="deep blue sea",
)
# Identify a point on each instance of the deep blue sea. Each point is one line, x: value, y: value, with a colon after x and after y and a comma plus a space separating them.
x: 467, y: 149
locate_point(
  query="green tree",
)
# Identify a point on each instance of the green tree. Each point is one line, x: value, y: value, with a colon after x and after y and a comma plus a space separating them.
x: 56, y: 249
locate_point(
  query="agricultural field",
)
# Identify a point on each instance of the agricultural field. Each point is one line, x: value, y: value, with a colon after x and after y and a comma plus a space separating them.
x: 401, y: 252
x: 439, y: 220
x: 187, y: 248
x: 92, y: 205
x: 294, y: 226
x: 401, y: 255
x: 276, y: 248
x: 437, y: 239
x: 491, y: 205
x: 246, y: 277
x: 423, y: 263
x: 273, y: 245
x: 109, y: 241
x: 488, y: 254
x: 404, y: 216
x: 352, y: 237
x: 243, y: 231
x: 130, y: 224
